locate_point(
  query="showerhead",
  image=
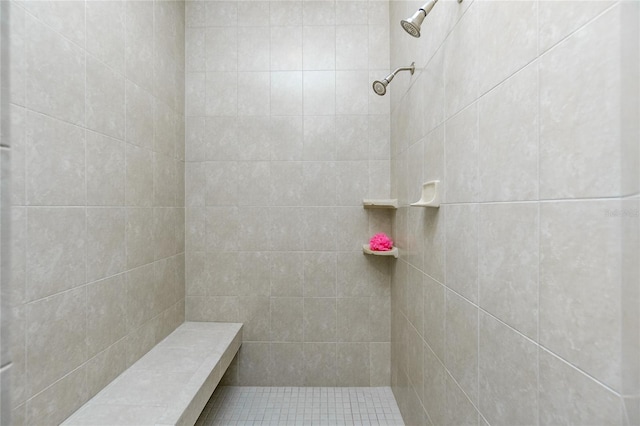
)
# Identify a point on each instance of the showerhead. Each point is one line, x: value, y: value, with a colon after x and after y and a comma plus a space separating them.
x: 380, y: 87
x: 412, y: 25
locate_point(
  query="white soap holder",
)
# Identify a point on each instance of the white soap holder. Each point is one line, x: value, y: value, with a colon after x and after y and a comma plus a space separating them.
x: 430, y: 195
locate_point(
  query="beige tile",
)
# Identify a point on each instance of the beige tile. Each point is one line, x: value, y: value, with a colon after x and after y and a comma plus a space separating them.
x: 55, y: 341
x: 557, y: 20
x: 140, y: 285
x: 318, y: 13
x: 223, y: 273
x: 139, y: 236
x: 222, y: 93
x: 139, y: 111
x: 59, y: 400
x: 508, y: 134
x: 415, y: 362
x: 286, y: 48
x: 461, y: 349
x: 254, y: 93
x: 105, y: 100
x: 580, y: 285
x: 106, y: 33
x: 105, y: 170
x: 415, y: 299
x: 223, y: 225
x: 352, y: 182
x: 165, y: 220
x: 319, y: 138
x: 55, y: 253
x: 353, y: 316
x: 460, y: 411
x: 320, y: 319
x: 287, y: 274
x: 461, y: 63
x: 17, y: 347
x: 319, y: 92
x: 286, y: 319
x: 434, y: 316
x: 319, y: 364
x: 567, y: 396
x: 254, y: 364
x: 286, y: 93
x: 320, y: 228
x: 254, y: 313
x: 319, y: 184
x: 254, y: 280
x: 55, y: 66
x: 164, y: 181
x: 287, y: 364
x: 504, y: 52
x: 105, y: 242
x: 380, y: 363
x: 461, y: 157
x: 286, y: 228
x: 594, y: 53
x: 462, y: 250
x: 319, y: 274
x: 139, y: 184
x: 508, y: 374
x: 318, y: 47
x: 106, y: 313
x: 105, y: 366
x: 353, y: 368
x: 434, y: 387
x: 508, y: 264
x: 17, y: 54
x: 380, y: 319
x: 253, y: 48
x: 352, y: 47
x: 17, y: 129
x: 139, y: 43
x: 55, y: 157
x: 251, y: 182
x: 287, y: 178
x: 166, y: 124
x: 281, y: 13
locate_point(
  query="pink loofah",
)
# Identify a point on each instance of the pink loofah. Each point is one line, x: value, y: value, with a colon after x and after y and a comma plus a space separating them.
x: 380, y: 242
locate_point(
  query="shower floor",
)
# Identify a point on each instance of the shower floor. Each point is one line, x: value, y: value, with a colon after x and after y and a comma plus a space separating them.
x: 304, y: 406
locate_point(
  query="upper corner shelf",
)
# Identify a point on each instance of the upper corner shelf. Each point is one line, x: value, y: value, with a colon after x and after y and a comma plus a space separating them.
x: 390, y: 203
x: 393, y: 252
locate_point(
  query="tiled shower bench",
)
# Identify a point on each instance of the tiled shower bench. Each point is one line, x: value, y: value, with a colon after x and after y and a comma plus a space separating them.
x: 171, y: 384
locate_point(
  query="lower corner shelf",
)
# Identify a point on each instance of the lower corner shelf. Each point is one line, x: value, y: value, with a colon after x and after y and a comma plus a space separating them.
x: 389, y: 253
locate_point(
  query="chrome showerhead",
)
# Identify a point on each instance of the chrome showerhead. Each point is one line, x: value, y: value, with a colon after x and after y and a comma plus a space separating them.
x: 412, y: 25
x: 380, y: 87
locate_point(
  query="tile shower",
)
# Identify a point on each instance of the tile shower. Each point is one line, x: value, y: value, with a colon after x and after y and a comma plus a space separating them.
x: 207, y: 161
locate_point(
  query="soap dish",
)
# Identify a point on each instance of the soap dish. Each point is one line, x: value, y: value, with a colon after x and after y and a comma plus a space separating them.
x: 430, y: 195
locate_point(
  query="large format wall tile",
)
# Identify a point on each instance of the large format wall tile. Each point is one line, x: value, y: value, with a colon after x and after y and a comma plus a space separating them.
x: 523, y: 111
x: 508, y: 264
x: 567, y: 170
x: 580, y: 285
x: 97, y: 120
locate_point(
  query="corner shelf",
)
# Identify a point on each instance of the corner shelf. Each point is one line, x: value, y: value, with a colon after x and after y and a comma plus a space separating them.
x: 390, y: 203
x: 393, y: 252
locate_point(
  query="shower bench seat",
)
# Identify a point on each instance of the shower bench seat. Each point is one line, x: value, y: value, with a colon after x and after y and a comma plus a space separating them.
x: 171, y: 384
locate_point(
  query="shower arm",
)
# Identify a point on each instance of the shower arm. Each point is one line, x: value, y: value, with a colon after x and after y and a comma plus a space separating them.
x: 410, y: 68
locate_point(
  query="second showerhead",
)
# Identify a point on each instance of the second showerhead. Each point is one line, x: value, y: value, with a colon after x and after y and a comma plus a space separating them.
x: 412, y: 25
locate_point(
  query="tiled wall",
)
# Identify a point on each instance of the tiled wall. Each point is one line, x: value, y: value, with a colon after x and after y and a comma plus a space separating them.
x: 97, y: 151
x: 517, y: 302
x: 284, y: 138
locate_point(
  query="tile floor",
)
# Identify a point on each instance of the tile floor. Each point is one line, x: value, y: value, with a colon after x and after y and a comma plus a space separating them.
x: 304, y: 406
